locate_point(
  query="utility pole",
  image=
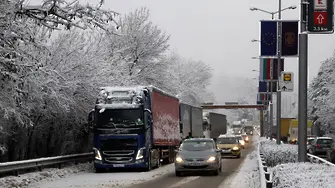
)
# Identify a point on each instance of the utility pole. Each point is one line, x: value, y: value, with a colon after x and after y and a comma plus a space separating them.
x: 279, y: 39
x: 303, y: 77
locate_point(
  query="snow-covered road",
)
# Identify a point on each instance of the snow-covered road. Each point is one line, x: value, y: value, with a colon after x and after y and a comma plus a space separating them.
x: 102, y: 180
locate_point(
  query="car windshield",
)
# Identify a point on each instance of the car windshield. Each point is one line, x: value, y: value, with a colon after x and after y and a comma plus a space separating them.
x: 310, y: 140
x: 325, y: 141
x: 228, y: 140
x: 120, y: 118
x: 197, y: 145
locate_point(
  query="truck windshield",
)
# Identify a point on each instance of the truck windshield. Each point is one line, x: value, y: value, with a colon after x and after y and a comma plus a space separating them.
x: 120, y: 118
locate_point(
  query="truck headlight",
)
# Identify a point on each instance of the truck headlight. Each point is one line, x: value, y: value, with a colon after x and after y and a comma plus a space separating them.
x: 235, y: 148
x: 179, y: 159
x: 211, y: 159
x: 140, y: 154
x: 97, y: 154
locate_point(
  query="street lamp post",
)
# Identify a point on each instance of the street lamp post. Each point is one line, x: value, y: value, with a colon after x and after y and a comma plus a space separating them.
x: 280, y: 10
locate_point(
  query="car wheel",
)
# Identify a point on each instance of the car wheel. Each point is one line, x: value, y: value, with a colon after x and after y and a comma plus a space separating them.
x: 310, y: 151
x: 238, y: 156
x: 179, y: 174
x: 216, y: 172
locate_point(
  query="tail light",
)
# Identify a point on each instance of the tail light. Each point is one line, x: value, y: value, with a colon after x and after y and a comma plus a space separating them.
x: 318, y: 146
x: 307, y: 143
x: 334, y: 150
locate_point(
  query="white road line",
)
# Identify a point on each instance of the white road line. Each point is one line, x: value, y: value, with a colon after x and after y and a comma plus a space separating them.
x: 184, y: 181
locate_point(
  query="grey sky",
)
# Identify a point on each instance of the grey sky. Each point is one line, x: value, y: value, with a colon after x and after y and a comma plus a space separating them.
x: 219, y: 32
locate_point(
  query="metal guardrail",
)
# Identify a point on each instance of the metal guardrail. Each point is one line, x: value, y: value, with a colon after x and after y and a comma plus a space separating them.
x: 15, y: 166
x: 319, y: 160
x: 263, y: 170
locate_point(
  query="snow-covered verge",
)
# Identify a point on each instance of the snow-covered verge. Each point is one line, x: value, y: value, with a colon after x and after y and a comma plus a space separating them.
x: 302, y: 175
x: 46, y: 174
x: 278, y: 154
x: 248, y: 173
x: 80, y: 176
x: 104, y: 180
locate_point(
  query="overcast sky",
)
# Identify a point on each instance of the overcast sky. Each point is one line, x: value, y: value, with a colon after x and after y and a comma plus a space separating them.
x: 219, y: 32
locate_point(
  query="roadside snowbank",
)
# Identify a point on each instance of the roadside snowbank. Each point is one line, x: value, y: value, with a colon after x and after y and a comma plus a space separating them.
x: 248, y: 173
x: 46, y: 174
x: 278, y: 154
x: 104, y: 180
x: 302, y: 175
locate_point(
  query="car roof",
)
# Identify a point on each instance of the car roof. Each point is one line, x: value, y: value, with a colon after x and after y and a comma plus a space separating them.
x: 328, y: 138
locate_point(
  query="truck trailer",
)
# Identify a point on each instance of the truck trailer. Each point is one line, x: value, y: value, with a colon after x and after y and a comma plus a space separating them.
x: 134, y: 127
x: 214, y: 124
x: 191, y: 120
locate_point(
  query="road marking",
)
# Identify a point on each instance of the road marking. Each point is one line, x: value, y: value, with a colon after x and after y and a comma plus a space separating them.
x: 184, y: 181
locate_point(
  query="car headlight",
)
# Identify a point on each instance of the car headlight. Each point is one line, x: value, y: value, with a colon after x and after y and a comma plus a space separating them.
x: 179, y: 159
x: 246, y: 138
x: 140, y: 154
x: 211, y: 159
x: 97, y: 154
x: 235, y: 148
x: 242, y: 142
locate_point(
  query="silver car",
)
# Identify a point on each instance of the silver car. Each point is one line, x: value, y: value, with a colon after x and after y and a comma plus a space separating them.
x: 198, y: 154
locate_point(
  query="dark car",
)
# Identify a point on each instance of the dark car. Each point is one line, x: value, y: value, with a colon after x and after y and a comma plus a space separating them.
x: 320, y: 145
x: 198, y: 154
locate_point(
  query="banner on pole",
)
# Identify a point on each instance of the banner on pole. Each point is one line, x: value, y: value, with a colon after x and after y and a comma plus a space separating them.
x: 265, y: 69
x: 289, y: 45
x: 268, y: 38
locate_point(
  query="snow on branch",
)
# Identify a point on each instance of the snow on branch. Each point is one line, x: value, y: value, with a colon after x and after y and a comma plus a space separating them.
x: 53, y: 13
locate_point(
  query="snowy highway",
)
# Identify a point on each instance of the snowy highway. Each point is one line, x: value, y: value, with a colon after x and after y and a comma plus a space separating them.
x: 229, y: 170
x: 163, y: 177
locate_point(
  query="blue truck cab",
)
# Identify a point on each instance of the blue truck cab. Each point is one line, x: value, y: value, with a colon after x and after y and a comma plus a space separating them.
x: 122, y: 125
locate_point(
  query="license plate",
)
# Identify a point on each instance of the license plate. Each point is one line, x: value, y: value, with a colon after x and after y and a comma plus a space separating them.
x: 195, y: 164
x: 225, y: 151
x: 118, y: 165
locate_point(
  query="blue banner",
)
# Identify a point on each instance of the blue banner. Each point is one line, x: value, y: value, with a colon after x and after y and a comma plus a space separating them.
x: 262, y: 87
x: 289, y: 38
x: 268, y: 38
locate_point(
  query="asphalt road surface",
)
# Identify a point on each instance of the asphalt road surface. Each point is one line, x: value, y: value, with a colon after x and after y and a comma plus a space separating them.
x: 230, y: 166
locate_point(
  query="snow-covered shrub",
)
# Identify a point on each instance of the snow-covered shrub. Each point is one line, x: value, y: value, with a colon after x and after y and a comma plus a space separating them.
x: 302, y: 175
x: 278, y: 154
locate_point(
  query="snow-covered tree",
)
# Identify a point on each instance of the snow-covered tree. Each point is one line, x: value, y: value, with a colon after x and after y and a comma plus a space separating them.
x: 321, y: 96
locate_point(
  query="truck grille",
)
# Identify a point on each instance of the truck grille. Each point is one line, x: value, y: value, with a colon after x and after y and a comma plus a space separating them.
x: 119, y: 151
x: 120, y: 144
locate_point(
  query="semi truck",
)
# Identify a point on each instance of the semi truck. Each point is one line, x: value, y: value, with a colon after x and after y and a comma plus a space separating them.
x: 134, y: 127
x: 191, y: 120
x: 214, y: 124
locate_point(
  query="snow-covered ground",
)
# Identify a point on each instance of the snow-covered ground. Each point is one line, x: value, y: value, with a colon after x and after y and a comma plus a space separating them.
x: 80, y: 176
x: 247, y: 175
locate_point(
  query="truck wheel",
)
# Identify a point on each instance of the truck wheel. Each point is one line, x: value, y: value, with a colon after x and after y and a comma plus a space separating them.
x: 99, y: 170
x: 148, y: 168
